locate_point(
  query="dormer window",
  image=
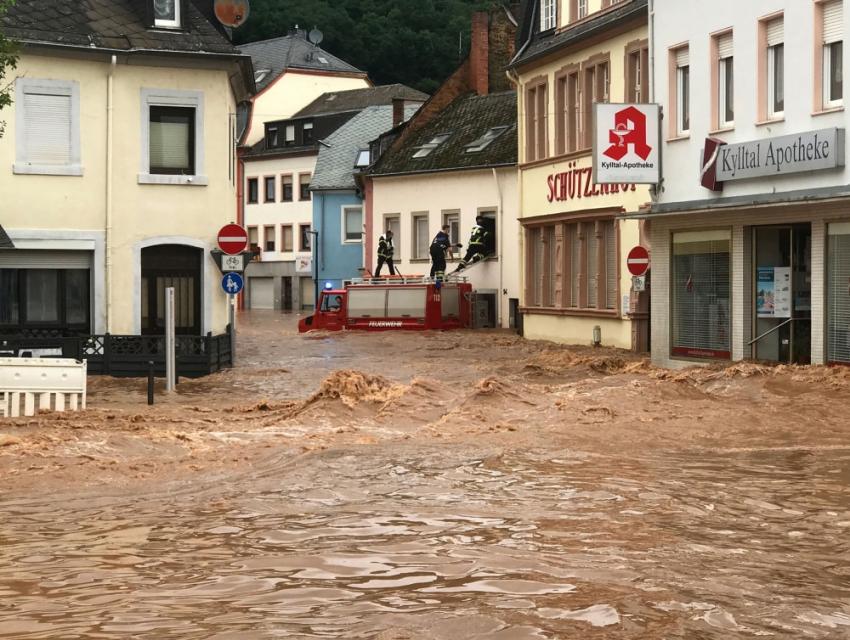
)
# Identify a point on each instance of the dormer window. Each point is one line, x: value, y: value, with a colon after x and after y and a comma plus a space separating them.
x: 425, y: 150
x: 166, y: 14
x: 363, y: 159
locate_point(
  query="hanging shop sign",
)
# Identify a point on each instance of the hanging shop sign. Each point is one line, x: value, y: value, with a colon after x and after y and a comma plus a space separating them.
x: 626, y: 143
x: 810, y: 151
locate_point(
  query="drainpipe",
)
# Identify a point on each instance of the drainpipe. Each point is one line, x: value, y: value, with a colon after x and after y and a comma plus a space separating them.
x: 513, y: 77
x: 322, y: 258
x: 110, y: 82
x: 500, y: 231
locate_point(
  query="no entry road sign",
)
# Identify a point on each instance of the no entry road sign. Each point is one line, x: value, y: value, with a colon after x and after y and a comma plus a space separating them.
x: 638, y: 261
x: 232, y: 239
x: 232, y: 283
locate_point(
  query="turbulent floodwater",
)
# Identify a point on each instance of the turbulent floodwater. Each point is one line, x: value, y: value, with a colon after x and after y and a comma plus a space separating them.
x: 434, y: 487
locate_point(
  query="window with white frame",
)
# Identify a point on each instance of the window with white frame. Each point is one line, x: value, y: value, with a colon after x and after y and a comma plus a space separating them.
x: 47, y: 136
x: 548, y: 14
x: 451, y: 219
x: 582, y: 9
x: 166, y: 13
x: 172, y: 129
x: 352, y: 224
x: 725, y: 81
x: 421, y: 237
x: 833, y: 53
x: 775, y: 68
x: 683, y: 91
x: 393, y: 223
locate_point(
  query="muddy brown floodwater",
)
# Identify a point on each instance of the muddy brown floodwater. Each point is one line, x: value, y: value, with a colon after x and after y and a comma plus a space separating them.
x: 433, y: 486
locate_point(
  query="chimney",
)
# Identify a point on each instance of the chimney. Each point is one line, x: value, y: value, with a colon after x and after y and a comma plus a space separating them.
x: 479, y: 54
x: 398, y: 111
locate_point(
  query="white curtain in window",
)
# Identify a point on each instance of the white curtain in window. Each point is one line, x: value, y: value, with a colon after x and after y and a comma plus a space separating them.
x: 48, y: 128
x: 170, y: 144
x: 353, y: 224
x: 422, y: 237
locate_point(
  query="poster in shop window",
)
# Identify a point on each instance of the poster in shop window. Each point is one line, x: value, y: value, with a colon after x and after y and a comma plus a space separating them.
x: 773, y: 292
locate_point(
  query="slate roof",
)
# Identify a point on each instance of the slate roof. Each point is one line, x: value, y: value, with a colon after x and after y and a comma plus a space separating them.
x: 119, y: 25
x: 358, y: 99
x: 594, y: 25
x: 5, y: 240
x: 335, y: 164
x: 293, y: 51
x: 467, y: 118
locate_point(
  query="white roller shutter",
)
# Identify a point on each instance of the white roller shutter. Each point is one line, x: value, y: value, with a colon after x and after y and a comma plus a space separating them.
x: 724, y: 46
x: 683, y: 57
x: 775, y: 32
x: 47, y: 128
x: 838, y: 297
x: 47, y: 259
x: 833, y: 21
x: 262, y: 293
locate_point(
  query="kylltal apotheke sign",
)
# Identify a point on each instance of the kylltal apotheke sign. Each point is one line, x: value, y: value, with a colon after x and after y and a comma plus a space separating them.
x: 808, y: 151
x: 626, y: 143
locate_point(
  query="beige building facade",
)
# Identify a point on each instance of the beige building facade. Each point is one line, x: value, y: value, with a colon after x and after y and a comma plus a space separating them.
x: 575, y: 280
x: 118, y: 169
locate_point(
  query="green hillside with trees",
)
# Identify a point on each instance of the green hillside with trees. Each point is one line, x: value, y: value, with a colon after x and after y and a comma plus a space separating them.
x: 416, y: 42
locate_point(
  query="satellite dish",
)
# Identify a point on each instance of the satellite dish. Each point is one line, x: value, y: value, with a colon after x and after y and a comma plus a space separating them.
x: 232, y: 13
x: 316, y: 36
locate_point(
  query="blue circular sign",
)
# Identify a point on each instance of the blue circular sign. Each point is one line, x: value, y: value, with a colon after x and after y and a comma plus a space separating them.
x: 232, y: 283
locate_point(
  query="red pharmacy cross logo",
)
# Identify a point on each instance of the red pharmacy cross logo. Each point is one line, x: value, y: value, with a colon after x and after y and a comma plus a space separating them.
x: 629, y: 131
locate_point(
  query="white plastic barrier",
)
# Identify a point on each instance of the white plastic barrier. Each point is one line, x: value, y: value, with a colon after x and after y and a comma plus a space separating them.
x: 50, y: 383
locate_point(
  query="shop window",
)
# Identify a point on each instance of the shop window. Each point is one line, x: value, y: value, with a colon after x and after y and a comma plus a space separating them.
x: 45, y: 298
x: 838, y: 293
x: 701, y: 288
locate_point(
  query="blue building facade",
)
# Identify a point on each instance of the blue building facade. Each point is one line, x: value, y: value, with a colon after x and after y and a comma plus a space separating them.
x: 337, y: 201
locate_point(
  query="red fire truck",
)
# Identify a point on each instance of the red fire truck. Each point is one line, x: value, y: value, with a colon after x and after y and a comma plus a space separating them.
x: 384, y: 305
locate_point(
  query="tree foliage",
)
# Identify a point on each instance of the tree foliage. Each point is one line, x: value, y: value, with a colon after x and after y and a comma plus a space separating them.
x: 8, y: 61
x: 415, y: 42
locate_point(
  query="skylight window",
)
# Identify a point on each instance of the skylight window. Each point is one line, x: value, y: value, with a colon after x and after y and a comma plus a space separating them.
x: 486, y: 140
x: 425, y: 150
x: 260, y: 74
x: 323, y: 60
x: 363, y: 158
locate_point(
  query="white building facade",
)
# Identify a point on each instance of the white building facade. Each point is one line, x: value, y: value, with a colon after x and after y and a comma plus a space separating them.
x: 750, y: 231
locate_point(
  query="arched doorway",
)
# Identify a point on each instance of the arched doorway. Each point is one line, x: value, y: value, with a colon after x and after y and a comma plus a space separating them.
x: 171, y: 265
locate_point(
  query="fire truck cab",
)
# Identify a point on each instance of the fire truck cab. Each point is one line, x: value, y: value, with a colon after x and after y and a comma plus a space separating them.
x: 383, y: 305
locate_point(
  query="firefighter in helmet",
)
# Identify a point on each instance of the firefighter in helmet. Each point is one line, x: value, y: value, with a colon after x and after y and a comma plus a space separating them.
x: 385, y: 253
x: 477, y: 249
x: 439, y: 246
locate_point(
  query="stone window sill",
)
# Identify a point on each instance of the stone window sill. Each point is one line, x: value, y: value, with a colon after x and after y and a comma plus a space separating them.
x: 184, y: 181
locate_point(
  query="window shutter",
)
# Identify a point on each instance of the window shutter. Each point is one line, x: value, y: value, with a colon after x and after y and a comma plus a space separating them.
x: 683, y: 57
x: 47, y: 128
x: 724, y: 46
x: 775, y: 32
x: 575, y: 264
x: 833, y: 21
x: 591, y: 266
x: 610, y: 265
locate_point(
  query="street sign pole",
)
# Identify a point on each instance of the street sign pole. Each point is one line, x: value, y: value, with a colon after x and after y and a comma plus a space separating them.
x: 170, y: 359
x: 231, y: 304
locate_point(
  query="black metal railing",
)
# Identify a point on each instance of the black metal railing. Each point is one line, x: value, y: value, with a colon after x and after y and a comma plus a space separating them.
x: 126, y: 356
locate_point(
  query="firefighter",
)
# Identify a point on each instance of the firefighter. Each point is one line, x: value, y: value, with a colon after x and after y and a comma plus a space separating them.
x: 439, y: 246
x: 385, y: 253
x: 477, y: 249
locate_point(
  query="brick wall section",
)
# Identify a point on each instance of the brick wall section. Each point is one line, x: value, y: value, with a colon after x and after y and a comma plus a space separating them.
x: 490, y: 73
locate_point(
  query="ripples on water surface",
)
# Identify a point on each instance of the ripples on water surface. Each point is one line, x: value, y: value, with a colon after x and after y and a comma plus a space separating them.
x: 357, y: 544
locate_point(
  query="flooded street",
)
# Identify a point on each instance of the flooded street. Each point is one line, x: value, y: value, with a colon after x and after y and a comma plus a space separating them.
x: 436, y: 486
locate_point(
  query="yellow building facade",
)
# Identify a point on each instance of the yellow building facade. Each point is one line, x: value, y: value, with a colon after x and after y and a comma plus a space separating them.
x: 574, y: 244
x: 118, y: 170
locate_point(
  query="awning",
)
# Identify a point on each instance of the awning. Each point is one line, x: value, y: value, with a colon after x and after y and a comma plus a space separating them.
x: 5, y: 240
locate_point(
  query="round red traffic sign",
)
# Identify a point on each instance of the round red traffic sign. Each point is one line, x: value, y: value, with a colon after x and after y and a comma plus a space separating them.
x: 232, y: 239
x: 638, y: 261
